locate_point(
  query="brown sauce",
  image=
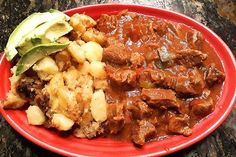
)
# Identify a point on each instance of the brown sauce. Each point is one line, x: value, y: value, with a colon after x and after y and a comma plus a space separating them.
x: 187, y: 67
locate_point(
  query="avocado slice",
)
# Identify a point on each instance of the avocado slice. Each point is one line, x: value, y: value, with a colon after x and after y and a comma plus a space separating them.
x: 36, y: 53
x: 48, y: 32
x: 25, y: 27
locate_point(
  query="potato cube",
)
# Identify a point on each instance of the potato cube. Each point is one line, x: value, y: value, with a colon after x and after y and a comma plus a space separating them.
x: 81, y: 22
x: 100, y: 84
x: 14, y: 79
x: 14, y: 101
x: 87, y: 20
x: 61, y: 122
x: 87, y: 89
x: 35, y: 115
x: 55, y: 83
x: 77, y: 24
x: 54, y: 104
x: 80, y: 42
x: 46, y: 68
x: 70, y: 77
x: 76, y: 52
x: 66, y: 98
x: 98, y: 106
x: 93, y: 51
x: 46, y: 65
x: 84, y: 68
x: 63, y: 40
x: 97, y: 69
x: 94, y: 35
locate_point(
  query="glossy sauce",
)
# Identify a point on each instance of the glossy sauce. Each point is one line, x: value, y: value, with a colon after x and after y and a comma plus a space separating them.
x: 136, y: 32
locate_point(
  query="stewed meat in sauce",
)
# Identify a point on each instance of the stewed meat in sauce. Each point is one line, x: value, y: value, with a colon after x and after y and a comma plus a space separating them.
x: 164, y: 77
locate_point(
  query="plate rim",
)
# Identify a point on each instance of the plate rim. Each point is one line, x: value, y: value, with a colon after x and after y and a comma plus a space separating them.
x: 184, y: 145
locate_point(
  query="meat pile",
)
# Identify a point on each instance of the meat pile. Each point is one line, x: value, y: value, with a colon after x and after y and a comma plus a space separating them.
x: 161, y: 75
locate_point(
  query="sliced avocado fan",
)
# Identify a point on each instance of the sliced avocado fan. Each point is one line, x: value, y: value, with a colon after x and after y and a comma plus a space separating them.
x: 46, y: 33
x: 36, y: 53
x: 25, y: 27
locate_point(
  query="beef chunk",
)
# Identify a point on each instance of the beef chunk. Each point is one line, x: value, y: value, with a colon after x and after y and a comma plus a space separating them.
x: 151, y: 54
x: 201, y: 107
x: 158, y: 97
x: 195, y: 40
x: 116, y: 118
x: 138, y: 29
x: 192, y: 84
x: 149, y: 51
x: 160, y: 27
x: 145, y: 80
x: 180, y: 125
x: 213, y: 75
x: 137, y: 60
x: 107, y: 23
x: 116, y: 53
x: 189, y: 57
x: 121, y: 77
x: 139, y: 109
x: 185, y: 83
x: 28, y: 87
x: 164, y: 78
x: 143, y: 132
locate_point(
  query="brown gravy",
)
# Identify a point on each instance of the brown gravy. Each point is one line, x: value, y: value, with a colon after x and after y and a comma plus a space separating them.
x: 148, y: 59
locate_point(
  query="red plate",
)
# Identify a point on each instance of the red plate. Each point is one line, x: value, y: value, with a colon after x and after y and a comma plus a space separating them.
x: 71, y: 146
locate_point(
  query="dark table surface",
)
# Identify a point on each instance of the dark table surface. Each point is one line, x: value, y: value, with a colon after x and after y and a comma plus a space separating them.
x: 219, y: 15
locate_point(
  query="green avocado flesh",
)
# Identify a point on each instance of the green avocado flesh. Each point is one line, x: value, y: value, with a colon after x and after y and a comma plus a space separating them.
x: 36, y: 53
x: 27, y: 26
x: 46, y: 33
